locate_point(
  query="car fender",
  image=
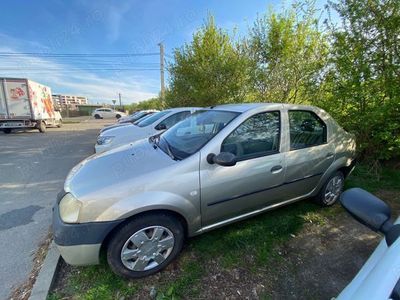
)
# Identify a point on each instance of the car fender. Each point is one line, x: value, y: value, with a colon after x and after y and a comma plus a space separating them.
x: 151, y: 201
x: 338, y: 163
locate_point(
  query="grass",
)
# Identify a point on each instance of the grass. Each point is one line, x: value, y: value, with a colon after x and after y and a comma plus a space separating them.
x: 248, y: 244
x: 385, y: 179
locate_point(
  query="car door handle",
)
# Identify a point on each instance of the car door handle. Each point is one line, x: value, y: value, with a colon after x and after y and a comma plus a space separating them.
x: 329, y: 155
x: 276, y: 169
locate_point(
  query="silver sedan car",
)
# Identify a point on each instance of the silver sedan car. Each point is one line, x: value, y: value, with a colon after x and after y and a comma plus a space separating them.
x: 220, y: 165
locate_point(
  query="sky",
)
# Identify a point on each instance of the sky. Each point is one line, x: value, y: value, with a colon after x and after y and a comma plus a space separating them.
x: 108, y: 27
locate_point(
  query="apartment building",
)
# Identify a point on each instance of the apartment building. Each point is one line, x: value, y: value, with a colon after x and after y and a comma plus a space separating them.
x: 69, y: 100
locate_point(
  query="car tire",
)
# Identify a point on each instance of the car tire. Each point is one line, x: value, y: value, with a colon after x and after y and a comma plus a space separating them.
x: 139, y: 236
x: 7, y: 130
x: 96, y: 116
x: 59, y: 124
x: 118, y: 116
x: 331, y: 190
x: 41, y: 126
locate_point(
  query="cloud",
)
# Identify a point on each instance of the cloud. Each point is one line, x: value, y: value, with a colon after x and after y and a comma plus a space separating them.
x: 64, y: 77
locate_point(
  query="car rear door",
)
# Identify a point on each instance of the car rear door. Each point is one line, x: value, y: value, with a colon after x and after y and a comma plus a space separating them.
x: 309, y: 155
x: 255, y: 181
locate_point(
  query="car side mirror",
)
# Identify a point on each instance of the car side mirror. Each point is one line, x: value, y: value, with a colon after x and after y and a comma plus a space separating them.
x: 370, y: 211
x: 225, y: 159
x: 366, y: 208
x: 161, y: 127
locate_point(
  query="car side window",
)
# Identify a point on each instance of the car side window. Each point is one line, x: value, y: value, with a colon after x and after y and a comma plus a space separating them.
x: 258, y: 136
x: 306, y: 129
x: 175, y: 118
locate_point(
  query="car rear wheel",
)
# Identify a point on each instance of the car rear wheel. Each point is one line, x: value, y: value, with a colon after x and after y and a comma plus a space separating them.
x: 331, y: 190
x: 96, y: 116
x: 118, y: 116
x: 145, y: 245
x: 41, y: 126
x: 7, y: 130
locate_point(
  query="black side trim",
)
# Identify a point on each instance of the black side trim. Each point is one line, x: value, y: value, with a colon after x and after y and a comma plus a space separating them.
x: 262, y: 190
x: 78, y: 234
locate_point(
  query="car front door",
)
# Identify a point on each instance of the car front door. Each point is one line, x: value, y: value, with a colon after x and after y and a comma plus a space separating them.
x: 253, y: 183
x: 108, y: 113
x: 309, y: 155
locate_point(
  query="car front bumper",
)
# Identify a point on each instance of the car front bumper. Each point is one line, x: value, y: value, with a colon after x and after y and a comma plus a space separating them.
x: 80, y: 244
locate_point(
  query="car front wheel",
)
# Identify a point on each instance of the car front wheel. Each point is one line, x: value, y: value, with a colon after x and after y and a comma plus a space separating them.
x: 145, y: 245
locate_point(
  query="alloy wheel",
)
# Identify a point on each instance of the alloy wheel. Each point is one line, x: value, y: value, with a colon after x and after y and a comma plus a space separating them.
x: 147, y: 248
x: 333, y: 189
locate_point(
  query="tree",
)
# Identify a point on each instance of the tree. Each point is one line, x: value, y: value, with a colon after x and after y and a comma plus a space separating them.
x: 363, y: 81
x: 207, y: 71
x: 288, y: 54
x: 153, y: 103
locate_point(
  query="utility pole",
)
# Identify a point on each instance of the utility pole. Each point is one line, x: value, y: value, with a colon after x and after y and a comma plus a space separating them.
x: 120, y: 101
x: 162, y: 70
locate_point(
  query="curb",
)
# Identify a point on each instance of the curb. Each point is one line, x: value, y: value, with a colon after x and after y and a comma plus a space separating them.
x: 45, y: 277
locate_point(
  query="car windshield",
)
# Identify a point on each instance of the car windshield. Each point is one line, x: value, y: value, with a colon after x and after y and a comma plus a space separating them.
x: 135, y: 113
x: 142, y: 119
x: 138, y: 115
x: 190, y: 135
x: 153, y: 118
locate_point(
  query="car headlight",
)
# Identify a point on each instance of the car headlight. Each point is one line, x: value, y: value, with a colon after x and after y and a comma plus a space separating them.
x: 69, y: 208
x: 104, y: 140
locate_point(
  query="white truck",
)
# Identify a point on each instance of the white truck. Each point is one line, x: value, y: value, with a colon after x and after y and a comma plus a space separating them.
x: 26, y: 104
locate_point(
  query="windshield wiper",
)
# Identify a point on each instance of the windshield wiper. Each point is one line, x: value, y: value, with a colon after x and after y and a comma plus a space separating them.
x: 169, y: 152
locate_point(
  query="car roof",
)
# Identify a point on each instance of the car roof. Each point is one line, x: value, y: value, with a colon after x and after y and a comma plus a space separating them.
x: 176, y: 109
x: 250, y: 106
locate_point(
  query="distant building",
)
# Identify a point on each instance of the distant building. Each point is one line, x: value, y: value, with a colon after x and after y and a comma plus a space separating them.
x: 69, y: 100
x: 87, y: 109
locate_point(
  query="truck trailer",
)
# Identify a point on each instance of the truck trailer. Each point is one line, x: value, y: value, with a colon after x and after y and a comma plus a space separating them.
x: 26, y: 104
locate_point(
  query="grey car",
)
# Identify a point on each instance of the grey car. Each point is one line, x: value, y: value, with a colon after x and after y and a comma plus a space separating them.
x: 220, y: 165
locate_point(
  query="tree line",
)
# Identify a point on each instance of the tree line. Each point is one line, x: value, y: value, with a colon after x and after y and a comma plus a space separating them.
x: 347, y: 64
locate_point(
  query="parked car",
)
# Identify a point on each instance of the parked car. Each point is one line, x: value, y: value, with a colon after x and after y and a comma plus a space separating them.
x: 107, y: 113
x: 136, y: 116
x: 131, y: 119
x: 25, y: 104
x: 379, y: 278
x: 220, y: 165
x: 156, y: 123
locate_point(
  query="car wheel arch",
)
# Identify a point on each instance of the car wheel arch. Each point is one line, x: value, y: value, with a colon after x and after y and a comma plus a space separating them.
x: 341, y: 164
x: 172, y: 213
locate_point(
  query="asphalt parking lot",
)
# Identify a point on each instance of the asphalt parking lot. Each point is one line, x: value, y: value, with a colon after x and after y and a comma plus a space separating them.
x: 33, y: 167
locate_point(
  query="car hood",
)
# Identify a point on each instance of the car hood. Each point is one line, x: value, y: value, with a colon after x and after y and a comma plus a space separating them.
x: 107, y: 128
x: 115, y: 168
x: 122, y: 130
x: 128, y: 134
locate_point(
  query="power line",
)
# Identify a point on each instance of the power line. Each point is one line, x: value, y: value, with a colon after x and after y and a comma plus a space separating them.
x: 15, y: 54
x: 80, y: 69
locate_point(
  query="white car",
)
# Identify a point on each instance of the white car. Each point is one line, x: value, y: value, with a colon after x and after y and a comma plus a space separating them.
x: 107, y: 113
x: 137, y: 115
x: 156, y: 123
x: 129, y: 120
x: 379, y: 278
